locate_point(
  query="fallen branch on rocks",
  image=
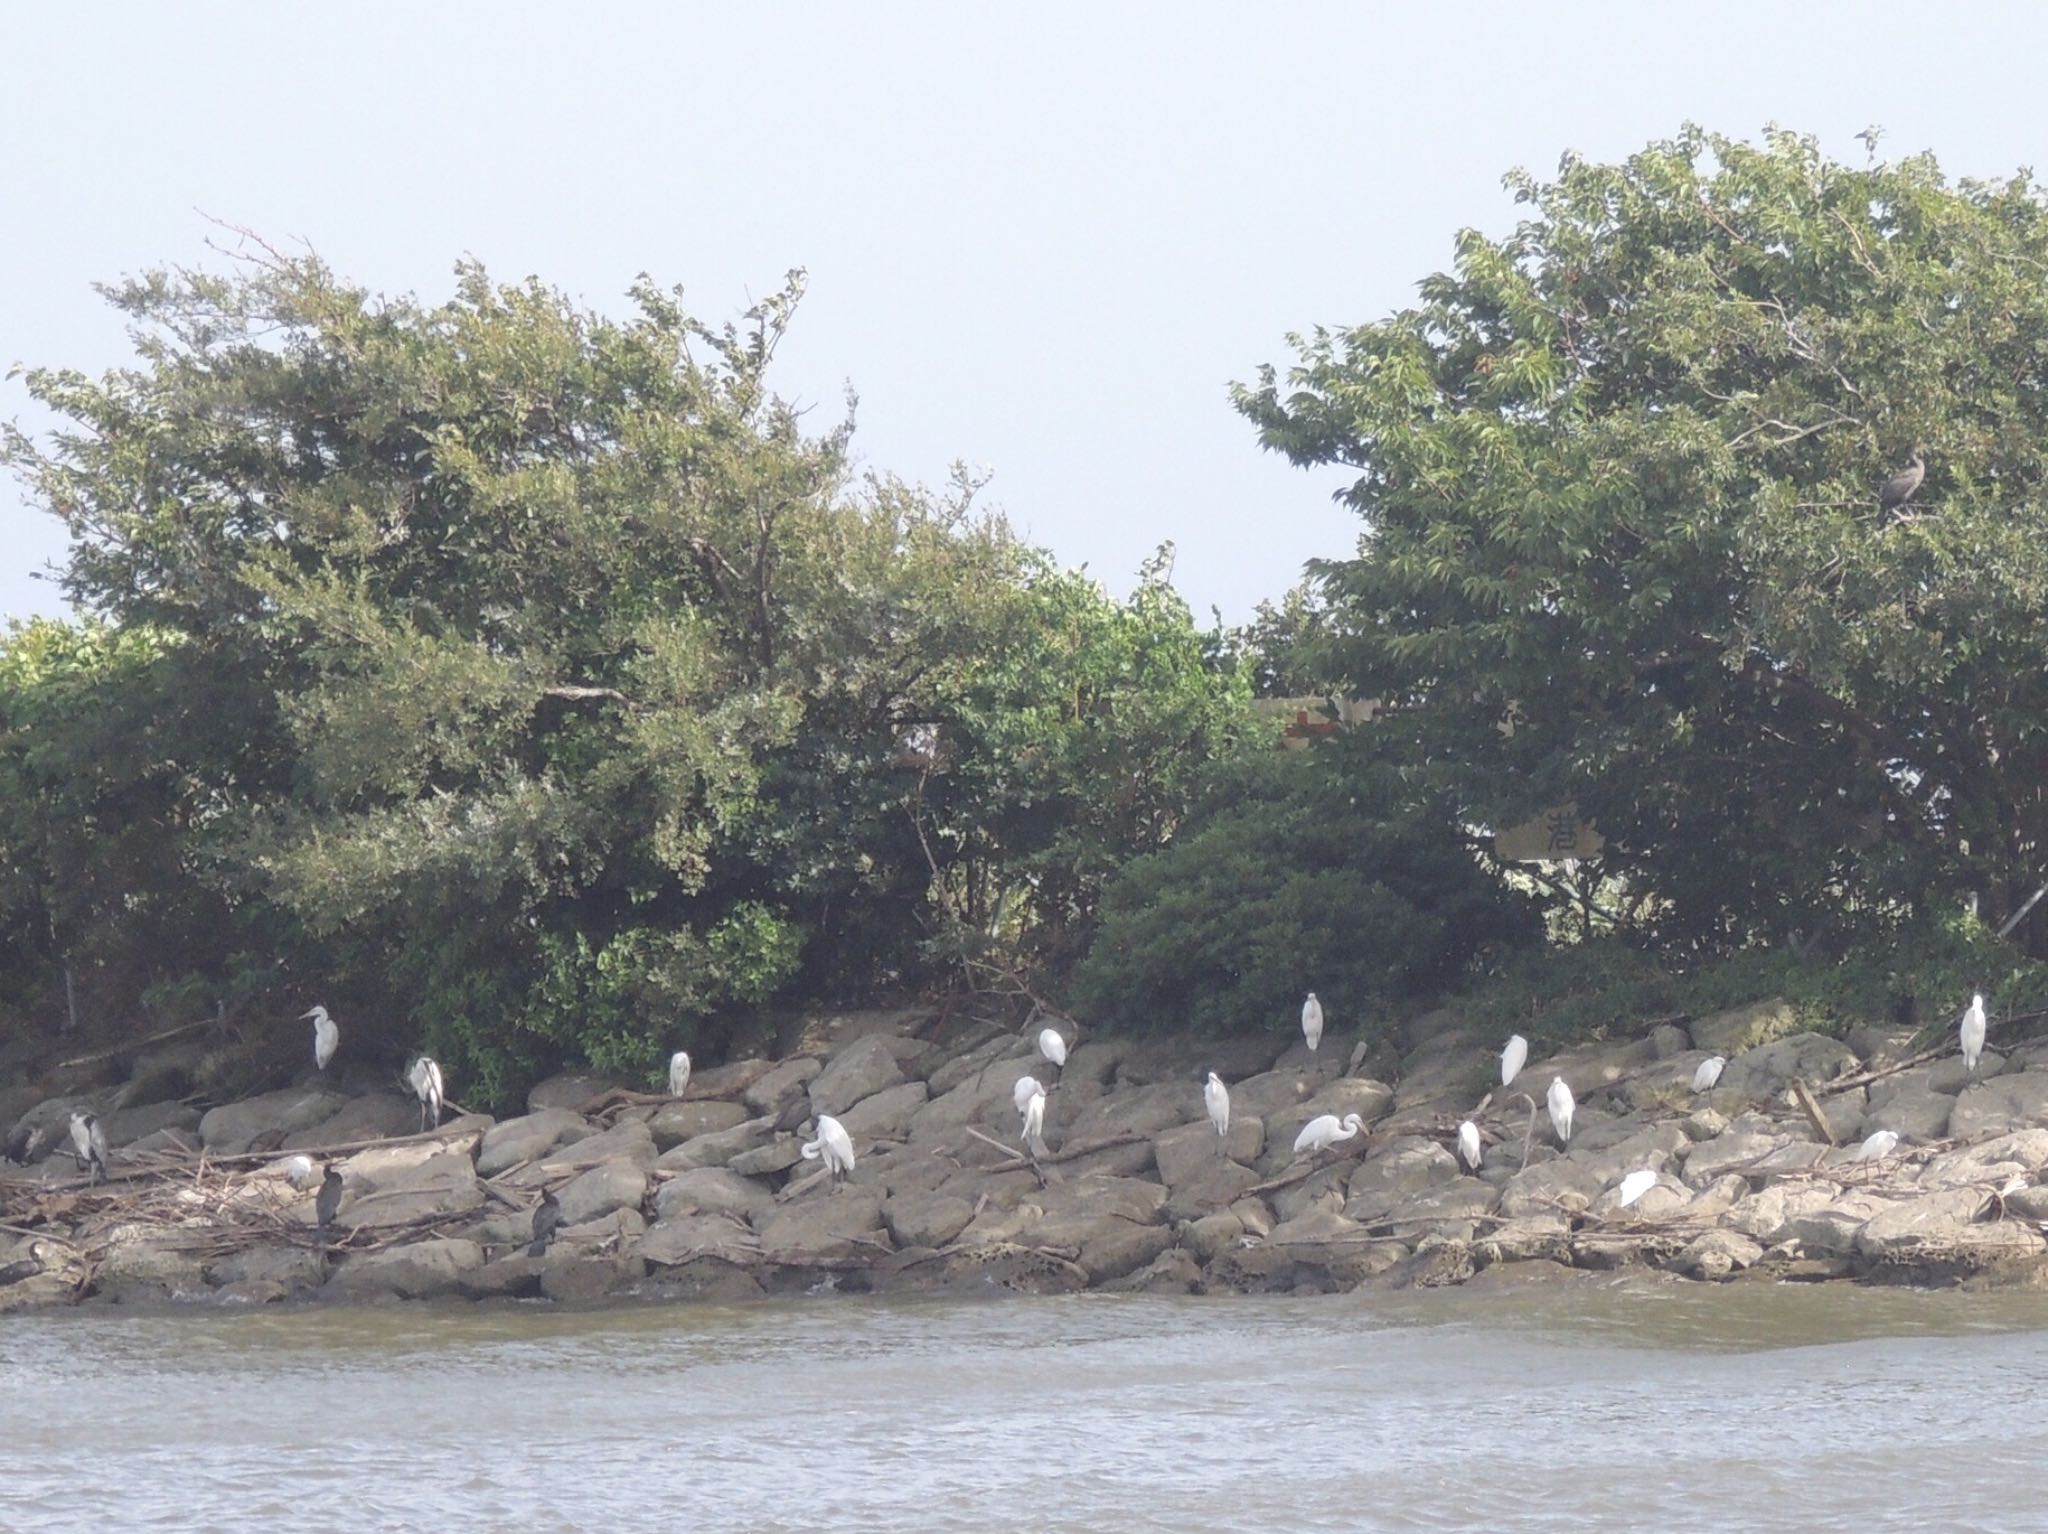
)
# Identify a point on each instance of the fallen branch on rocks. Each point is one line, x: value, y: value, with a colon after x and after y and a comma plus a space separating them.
x: 1017, y: 1163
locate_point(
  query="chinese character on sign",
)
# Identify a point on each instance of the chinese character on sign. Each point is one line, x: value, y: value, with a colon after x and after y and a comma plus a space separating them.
x: 1561, y: 827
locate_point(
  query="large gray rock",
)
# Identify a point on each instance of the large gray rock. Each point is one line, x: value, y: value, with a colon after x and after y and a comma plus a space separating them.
x: 766, y: 1094
x: 1741, y: 1028
x: 570, y: 1091
x: 228, y: 1129
x: 1190, y: 1151
x: 693, y: 1237
x: 1717, y: 1253
x: 1739, y: 1150
x: 1527, y: 1238
x: 1447, y: 1213
x: 1396, y: 1173
x: 142, y: 1262
x: 1111, y: 1225
x: 926, y: 1219
x: 1549, y: 1188
x: 970, y: 1063
x: 675, y: 1124
x: 838, y: 1225
x: 417, y: 1271
x: 1272, y: 1092
x: 1140, y: 1110
x: 712, y: 1190
x: 513, y: 1142
x: 1832, y: 1230
x: 1919, y: 1115
x: 374, y: 1116
x: 388, y: 1186
x: 859, y: 1071
x: 718, y: 1147
x: 612, y: 1185
x: 294, y: 1269
x: 125, y: 1126
x: 1991, y: 1164
x: 982, y: 1100
x: 1943, y: 1229
x: 1768, y: 1069
x: 885, y: 1115
x: 1764, y: 1215
x: 628, y: 1140
x: 778, y: 1155
x: 2001, y: 1105
x: 578, y: 1275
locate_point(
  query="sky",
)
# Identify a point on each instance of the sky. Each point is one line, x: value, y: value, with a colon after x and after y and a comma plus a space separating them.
x: 1042, y: 238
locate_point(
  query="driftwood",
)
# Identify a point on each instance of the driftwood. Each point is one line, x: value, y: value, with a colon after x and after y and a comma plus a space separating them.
x: 1814, y: 1115
x: 1018, y: 1163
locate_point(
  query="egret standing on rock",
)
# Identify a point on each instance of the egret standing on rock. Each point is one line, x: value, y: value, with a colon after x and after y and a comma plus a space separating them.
x: 1513, y: 1058
x: 1321, y: 1133
x: 1312, y: 1021
x: 1709, y: 1072
x: 1034, y: 1124
x: 1469, y: 1150
x: 326, y: 1037
x: 1561, y: 1106
x: 1635, y: 1185
x: 834, y: 1145
x: 1878, y: 1146
x: 425, y: 1077
x: 89, y: 1143
x: 1052, y: 1046
x: 1026, y: 1088
x: 678, y: 1073
x: 1217, y: 1096
x: 1973, y: 1035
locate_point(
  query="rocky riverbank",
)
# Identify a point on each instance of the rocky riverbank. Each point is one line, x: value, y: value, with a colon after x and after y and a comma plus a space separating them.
x: 709, y: 1197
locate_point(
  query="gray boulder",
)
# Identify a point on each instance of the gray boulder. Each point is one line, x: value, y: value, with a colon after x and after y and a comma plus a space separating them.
x: 926, y: 1219
x: 718, y: 1147
x: 513, y: 1142
x: 604, y: 1188
x: 1397, y: 1172
x: 569, y: 1091
x: 2001, y: 1105
x: 693, y: 1237
x: 766, y: 1094
x: 859, y: 1071
x: 228, y: 1129
x: 1919, y: 1115
x: 838, y: 1225
x: 1769, y: 1069
x: 1742, y: 1028
x: 1718, y: 1253
x: 885, y: 1115
x: 1943, y: 1229
x: 374, y: 1116
x: 712, y: 1190
x: 675, y: 1124
x: 418, y: 1271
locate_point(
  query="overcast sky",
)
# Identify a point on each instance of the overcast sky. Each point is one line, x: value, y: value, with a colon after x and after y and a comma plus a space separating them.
x: 1043, y: 237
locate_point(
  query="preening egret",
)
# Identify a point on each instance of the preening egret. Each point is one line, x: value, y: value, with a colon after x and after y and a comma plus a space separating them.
x: 1217, y: 1096
x: 326, y: 1037
x: 1973, y: 1035
x: 1052, y: 1046
x: 1635, y: 1185
x: 547, y: 1215
x: 1469, y: 1150
x: 1034, y: 1124
x: 678, y: 1073
x: 1513, y: 1058
x: 833, y: 1144
x: 1312, y: 1021
x: 1878, y: 1146
x: 89, y: 1143
x: 1320, y: 1133
x: 1709, y: 1072
x: 1900, y: 487
x: 1561, y: 1105
x: 425, y: 1077
x: 301, y: 1173
x: 328, y: 1202
x: 1027, y: 1087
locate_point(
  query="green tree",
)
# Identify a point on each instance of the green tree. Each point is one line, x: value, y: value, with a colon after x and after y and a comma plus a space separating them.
x: 1620, y: 476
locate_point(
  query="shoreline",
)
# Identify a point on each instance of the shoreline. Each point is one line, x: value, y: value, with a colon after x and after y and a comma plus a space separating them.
x: 708, y: 1197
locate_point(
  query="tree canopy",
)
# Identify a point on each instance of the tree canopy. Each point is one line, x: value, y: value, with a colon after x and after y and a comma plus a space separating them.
x: 1620, y: 472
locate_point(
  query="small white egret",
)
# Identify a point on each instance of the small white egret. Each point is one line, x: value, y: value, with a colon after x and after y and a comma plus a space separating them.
x: 1562, y: 1103
x: 1312, y: 1021
x: 1217, y: 1096
x: 1635, y: 1185
x: 1320, y: 1133
x: 1052, y: 1046
x: 1513, y: 1058
x: 1027, y: 1087
x: 1973, y: 1035
x: 425, y: 1080
x: 300, y: 1172
x: 326, y: 1037
x: 89, y: 1143
x: 833, y: 1144
x: 678, y: 1073
x: 1709, y: 1072
x: 1034, y: 1124
x: 1469, y: 1150
x: 1878, y: 1146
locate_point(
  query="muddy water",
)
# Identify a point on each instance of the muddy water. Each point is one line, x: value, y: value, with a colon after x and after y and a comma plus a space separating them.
x: 1601, y: 1406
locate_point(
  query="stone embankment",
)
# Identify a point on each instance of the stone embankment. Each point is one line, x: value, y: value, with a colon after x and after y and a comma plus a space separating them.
x: 709, y: 1196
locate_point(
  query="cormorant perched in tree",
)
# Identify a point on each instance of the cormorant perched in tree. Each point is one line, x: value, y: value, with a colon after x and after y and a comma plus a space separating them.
x: 1900, y: 487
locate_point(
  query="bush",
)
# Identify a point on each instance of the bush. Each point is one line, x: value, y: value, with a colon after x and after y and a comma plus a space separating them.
x: 1306, y: 874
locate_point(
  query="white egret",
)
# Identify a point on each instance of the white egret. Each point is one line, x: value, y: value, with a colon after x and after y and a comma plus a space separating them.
x: 1973, y: 1035
x: 678, y: 1073
x: 1027, y: 1087
x: 1052, y: 1046
x: 833, y: 1144
x: 300, y: 1172
x: 327, y: 1203
x: 1321, y: 1133
x: 1513, y: 1058
x: 1312, y: 1021
x: 425, y: 1079
x: 1217, y: 1096
x: 89, y: 1143
x: 1034, y: 1124
x: 1561, y: 1106
x: 1469, y: 1150
x: 1635, y: 1185
x: 1709, y: 1072
x: 326, y: 1037
x: 1878, y: 1146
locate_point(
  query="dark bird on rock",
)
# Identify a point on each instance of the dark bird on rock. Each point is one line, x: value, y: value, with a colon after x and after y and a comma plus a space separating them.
x: 794, y: 1112
x: 1900, y: 487
x: 327, y: 1203
x: 547, y: 1215
x: 89, y: 1143
x: 26, y: 1267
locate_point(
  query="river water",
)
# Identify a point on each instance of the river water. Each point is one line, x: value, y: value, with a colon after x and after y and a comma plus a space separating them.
x: 1608, y: 1406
